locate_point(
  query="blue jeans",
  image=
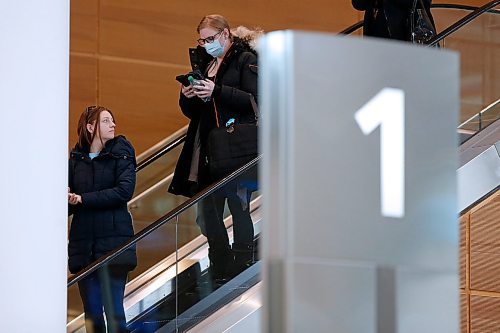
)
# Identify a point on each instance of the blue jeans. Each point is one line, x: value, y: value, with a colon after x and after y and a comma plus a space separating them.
x: 104, y: 288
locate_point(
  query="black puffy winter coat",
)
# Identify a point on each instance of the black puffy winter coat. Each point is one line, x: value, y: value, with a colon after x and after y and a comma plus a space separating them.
x: 235, y: 85
x: 102, y: 222
x: 393, y: 20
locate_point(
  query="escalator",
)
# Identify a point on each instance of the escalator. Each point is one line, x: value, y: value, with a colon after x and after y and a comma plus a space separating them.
x: 172, y: 289
x: 180, y: 280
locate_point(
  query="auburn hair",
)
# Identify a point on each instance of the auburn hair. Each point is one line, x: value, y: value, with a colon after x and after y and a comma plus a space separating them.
x: 91, y: 115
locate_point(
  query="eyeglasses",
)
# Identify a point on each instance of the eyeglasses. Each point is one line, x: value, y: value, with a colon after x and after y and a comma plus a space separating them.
x: 209, y: 39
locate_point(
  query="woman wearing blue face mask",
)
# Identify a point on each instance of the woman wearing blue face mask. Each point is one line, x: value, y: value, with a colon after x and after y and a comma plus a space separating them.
x: 230, y: 68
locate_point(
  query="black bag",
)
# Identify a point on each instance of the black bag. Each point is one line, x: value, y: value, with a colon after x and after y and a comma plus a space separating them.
x: 231, y: 147
x: 421, y: 28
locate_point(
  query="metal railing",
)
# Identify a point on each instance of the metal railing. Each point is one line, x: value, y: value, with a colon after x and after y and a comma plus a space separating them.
x: 477, y: 11
x: 160, y: 222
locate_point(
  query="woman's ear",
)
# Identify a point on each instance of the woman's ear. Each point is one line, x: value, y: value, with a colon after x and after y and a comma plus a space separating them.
x: 90, y: 128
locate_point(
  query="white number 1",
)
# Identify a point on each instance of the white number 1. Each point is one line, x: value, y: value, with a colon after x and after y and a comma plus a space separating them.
x: 387, y: 110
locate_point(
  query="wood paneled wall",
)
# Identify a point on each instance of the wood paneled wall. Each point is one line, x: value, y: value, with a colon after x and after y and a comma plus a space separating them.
x: 480, y: 268
x: 125, y: 54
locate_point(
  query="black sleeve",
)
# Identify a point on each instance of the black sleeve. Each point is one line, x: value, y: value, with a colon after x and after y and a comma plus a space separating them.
x: 362, y: 4
x: 71, y: 168
x: 240, y: 98
x: 189, y: 106
x: 124, y: 187
x: 406, y: 4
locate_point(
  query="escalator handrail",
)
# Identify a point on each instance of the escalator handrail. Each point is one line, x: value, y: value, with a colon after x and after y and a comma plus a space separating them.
x: 457, y: 25
x: 187, y: 204
x: 479, y: 115
x: 463, y: 21
x: 160, y: 222
x: 176, y: 141
x: 358, y: 25
x: 349, y: 30
x: 461, y: 7
x: 479, y: 200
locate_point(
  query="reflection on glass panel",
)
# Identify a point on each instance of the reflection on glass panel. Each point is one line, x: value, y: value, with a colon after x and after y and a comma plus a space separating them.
x: 223, y: 263
x: 490, y: 115
x: 153, y: 203
x: 479, y: 121
x: 479, y: 46
x: 200, y: 268
x: 152, y: 293
x: 75, y: 307
x: 176, y: 268
x: 157, y: 170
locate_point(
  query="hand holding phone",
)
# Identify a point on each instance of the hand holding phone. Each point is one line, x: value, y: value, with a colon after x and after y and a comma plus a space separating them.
x: 188, y: 91
x: 197, y: 84
x: 183, y: 79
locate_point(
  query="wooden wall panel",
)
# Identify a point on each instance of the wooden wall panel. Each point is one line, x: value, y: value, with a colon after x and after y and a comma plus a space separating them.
x: 158, y: 33
x: 83, y: 25
x: 493, y: 91
x: 144, y: 98
x: 485, y: 247
x: 83, y: 89
x: 126, y: 53
x: 163, y: 30
x: 479, y: 74
x: 480, y: 78
x: 464, y: 313
x: 484, y: 314
x: 139, y: 47
x: 484, y: 291
x: 463, y: 250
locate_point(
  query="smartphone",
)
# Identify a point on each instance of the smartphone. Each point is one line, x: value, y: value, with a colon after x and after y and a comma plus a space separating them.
x: 194, y: 58
x: 183, y: 79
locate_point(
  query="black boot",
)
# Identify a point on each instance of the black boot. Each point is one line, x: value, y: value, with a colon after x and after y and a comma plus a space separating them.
x: 221, y: 259
x: 243, y: 257
x: 256, y: 250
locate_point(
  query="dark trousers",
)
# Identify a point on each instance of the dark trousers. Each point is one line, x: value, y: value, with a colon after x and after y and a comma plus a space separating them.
x: 104, y: 289
x: 211, y: 217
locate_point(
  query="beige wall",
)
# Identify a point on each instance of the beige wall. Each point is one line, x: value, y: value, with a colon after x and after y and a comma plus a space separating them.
x: 125, y: 54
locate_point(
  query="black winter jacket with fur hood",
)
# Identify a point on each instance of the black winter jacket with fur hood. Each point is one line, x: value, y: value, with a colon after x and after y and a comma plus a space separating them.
x: 235, y: 85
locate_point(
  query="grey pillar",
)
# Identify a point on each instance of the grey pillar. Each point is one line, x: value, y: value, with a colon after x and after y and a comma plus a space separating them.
x: 359, y: 185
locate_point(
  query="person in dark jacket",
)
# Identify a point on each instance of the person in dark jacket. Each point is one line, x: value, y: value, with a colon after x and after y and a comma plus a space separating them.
x: 227, y: 92
x: 101, y: 182
x: 389, y: 18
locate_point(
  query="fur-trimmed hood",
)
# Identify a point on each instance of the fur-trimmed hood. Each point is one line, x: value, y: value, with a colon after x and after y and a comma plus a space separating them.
x: 247, y: 36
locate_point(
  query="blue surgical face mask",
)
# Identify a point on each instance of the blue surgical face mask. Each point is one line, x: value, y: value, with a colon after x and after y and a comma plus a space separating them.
x: 215, y: 49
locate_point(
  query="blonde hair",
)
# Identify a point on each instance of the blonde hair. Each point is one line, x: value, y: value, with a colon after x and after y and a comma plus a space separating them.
x: 215, y: 21
x: 219, y: 22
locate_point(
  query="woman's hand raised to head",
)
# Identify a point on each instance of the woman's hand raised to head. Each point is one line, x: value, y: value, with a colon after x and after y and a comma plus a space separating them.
x: 188, y: 91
